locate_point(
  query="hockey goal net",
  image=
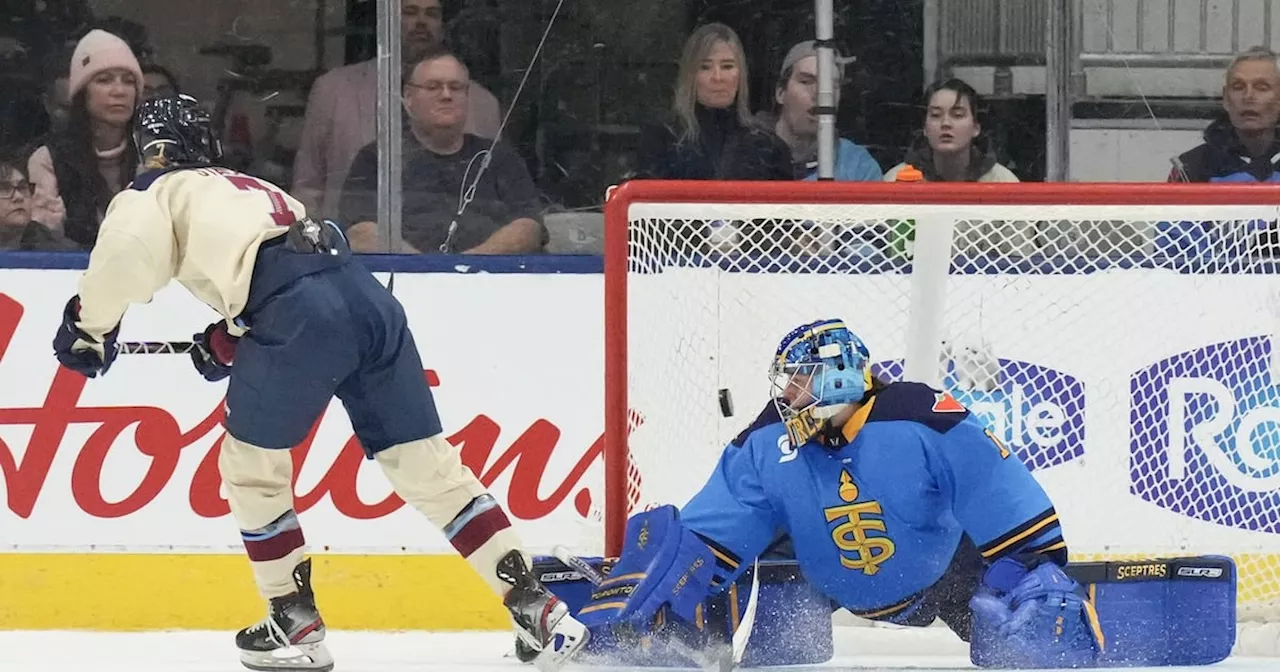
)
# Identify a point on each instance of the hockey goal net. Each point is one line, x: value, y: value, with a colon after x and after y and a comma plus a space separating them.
x: 1120, y: 338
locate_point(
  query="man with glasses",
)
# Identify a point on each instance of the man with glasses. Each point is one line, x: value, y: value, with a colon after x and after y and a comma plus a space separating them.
x: 444, y: 169
x: 342, y: 111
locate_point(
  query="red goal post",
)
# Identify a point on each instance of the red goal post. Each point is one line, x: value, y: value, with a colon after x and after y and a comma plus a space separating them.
x: 1081, y: 310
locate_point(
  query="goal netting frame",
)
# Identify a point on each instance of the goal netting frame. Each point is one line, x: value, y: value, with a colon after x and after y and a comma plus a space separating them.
x: 1197, y: 251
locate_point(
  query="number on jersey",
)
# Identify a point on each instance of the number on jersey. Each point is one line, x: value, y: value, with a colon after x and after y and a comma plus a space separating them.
x: 280, y: 211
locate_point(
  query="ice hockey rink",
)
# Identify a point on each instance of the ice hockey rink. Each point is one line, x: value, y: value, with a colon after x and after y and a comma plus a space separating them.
x: 861, y: 649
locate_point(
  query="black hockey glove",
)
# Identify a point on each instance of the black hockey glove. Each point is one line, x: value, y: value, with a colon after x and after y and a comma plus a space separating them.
x: 215, y: 352
x: 74, y: 348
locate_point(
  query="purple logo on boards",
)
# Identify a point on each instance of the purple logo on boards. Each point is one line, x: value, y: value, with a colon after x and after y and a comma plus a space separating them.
x: 1036, y: 411
x: 1204, y: 435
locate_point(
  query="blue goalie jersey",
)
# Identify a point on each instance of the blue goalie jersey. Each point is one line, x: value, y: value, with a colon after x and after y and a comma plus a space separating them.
x: 876, y: 514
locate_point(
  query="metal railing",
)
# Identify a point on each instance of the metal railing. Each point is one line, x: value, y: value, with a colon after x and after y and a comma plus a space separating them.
x: 1106, y: 33
x: 1169, y: 33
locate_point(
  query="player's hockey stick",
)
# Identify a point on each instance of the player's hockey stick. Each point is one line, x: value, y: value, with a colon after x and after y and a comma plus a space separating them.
x: 155, y: 347
x: 578, y: 565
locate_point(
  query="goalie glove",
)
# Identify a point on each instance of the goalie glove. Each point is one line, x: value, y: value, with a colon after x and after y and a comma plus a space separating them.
x: 215, y: 352
x: 1029, y: 614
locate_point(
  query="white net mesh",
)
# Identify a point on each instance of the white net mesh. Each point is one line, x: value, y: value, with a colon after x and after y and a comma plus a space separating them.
x: 1125, y: 353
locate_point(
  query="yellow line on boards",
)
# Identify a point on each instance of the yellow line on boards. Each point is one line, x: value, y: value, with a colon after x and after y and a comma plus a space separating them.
x: 133, y: 592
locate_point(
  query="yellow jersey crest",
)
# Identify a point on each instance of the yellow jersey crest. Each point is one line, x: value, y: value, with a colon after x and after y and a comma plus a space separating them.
x: 859, y: 550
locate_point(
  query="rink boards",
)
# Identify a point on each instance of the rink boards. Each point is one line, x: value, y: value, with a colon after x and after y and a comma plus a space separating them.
x: 114, y: 521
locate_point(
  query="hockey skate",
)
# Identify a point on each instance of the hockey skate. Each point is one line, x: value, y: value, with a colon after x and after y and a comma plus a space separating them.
x: 292, y: 635
x: 543, y: 624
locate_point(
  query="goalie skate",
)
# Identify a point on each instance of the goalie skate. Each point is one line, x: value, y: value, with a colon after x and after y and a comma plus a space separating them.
x: 542, y: 620
x: 291, y: 637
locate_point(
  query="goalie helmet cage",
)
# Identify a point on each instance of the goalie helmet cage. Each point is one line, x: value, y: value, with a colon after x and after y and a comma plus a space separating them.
x: 1119, y: 338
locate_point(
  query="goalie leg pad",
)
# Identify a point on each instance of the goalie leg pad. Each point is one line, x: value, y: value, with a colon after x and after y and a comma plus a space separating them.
x: 1033, y: 615
x: 663, y: 565
x: 1164, y: 611
x: 792, y: 624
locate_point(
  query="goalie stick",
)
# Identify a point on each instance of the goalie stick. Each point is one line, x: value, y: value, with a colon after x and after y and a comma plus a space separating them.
x: 740, y: 636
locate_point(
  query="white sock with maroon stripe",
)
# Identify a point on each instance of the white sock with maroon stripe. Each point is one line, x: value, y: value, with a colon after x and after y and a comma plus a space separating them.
x: 274, y: 551
x: 259, y: 489
x: 429, y: 475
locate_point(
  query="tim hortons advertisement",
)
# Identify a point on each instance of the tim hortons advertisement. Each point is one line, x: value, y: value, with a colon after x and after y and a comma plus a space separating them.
x: 128, y: 461
x: 1152, y: 439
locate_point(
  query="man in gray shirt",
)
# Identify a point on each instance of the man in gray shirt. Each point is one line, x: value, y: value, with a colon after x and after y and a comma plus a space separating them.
x: 440, y: 163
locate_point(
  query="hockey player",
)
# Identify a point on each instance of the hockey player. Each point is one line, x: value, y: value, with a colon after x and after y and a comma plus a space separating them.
x: 301, y: 321
x: 896, y: 502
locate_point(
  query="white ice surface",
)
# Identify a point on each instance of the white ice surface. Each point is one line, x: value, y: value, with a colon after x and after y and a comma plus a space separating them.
x: 861, y: 649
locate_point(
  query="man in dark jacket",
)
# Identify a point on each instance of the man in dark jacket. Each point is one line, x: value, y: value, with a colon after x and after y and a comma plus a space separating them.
x: 1242, y: 145
x: 442, y: 167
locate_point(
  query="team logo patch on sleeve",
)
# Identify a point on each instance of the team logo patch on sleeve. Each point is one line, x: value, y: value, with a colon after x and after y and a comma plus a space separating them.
x: 945, y: 403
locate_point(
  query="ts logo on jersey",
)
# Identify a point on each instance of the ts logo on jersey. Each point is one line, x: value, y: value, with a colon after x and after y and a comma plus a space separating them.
x: 858, y: 550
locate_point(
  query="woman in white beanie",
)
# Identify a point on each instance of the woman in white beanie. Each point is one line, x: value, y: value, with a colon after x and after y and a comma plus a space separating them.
x: 82, y: 168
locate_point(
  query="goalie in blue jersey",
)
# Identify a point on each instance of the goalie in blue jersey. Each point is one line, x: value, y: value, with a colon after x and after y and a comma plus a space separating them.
x: 898, y: 504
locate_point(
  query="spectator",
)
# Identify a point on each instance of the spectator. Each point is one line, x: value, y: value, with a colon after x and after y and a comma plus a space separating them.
x: 712, y: 135
x: 796, y: 123
x: 78, y: 172
x: 1241, y: 145
x: 56, y: 95
x: 952, y: 147
x: 342, y: 109
x: 158, y: 82
x: 441, y: 161
x: 17, y: 230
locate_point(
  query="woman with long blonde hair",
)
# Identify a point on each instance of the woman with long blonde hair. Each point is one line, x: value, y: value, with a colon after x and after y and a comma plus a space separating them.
x: 711, y: 134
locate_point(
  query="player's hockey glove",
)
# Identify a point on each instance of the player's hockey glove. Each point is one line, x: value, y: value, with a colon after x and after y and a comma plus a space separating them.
x: 215, y: 352
x: 79, y: 351
x: 1028, y: 613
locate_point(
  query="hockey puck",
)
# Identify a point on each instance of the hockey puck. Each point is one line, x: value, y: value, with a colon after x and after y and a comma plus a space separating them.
x: 726, y: 403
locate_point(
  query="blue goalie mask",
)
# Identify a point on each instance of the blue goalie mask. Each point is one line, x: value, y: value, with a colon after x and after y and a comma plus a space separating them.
x: 818, y: 370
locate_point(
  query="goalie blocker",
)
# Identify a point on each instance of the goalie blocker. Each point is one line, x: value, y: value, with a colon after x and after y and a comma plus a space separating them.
x: 1161, y: 612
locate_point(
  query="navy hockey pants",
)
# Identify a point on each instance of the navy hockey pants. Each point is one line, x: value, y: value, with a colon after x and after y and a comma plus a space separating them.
x: 337, y: 332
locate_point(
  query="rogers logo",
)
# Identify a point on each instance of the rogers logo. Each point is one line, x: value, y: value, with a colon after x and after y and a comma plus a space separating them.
x: 1205, y: 436
x: 158, y: 437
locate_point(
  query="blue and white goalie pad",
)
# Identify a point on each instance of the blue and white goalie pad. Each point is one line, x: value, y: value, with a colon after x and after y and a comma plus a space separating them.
x: 663, y: 567
x: 1148, y: 613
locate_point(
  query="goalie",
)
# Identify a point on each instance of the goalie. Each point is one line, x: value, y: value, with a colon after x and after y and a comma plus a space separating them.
x: 897, y: 503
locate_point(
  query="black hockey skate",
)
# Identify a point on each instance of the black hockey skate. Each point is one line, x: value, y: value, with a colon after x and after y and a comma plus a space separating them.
x: 292, y: 635
x: 550, y: 636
